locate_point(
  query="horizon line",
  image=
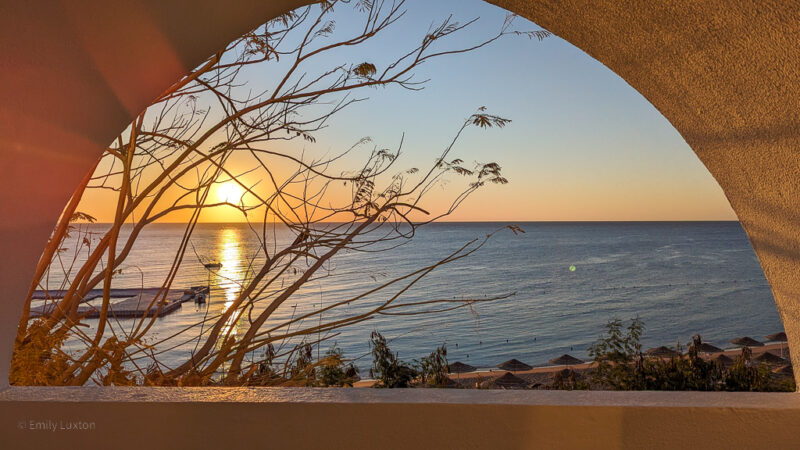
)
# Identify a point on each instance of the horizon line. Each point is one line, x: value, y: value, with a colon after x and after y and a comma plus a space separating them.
x: 460, y: 222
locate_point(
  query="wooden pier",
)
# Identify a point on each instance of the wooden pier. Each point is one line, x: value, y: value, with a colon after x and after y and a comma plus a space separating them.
x: 134, y: 302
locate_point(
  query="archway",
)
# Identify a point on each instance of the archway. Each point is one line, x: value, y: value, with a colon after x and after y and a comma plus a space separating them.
x: 721, y: 73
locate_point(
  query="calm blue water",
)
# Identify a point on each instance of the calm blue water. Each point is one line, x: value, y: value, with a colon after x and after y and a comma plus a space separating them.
x: 680, y: 278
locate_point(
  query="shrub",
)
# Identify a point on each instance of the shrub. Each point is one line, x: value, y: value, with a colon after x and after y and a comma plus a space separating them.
x: 620, y: 365
x: 744, y: 376
x: 433, y: 368
x: 38, y: 359
x: 618, y: 356
x: 568, y: 380
x: 332, y: 370
x: 387, y: 369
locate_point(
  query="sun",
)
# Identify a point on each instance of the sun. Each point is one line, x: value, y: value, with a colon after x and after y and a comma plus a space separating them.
x: 230, y: 192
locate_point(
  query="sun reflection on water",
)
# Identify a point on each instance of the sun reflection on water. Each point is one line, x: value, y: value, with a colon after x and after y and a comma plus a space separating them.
x: 229, y: 277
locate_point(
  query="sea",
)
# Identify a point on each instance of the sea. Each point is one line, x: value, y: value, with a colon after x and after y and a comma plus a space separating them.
x: 562, y: 283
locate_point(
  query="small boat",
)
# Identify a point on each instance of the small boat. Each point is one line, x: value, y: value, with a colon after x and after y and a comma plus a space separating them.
x: 213, y: 265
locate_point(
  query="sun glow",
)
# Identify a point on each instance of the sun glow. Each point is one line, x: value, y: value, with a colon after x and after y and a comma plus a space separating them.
x: 230, y: 192
x: 230, y: 275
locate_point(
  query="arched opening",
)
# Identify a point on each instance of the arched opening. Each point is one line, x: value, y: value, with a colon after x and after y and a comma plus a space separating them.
x: 722, y: 73
x: 230, y: 193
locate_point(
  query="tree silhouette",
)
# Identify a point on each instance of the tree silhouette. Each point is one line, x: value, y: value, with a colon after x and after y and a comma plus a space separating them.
x: 172, y: 155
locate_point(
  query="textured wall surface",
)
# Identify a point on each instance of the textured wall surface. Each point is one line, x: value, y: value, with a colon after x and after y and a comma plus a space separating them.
x: 723, y: 72
x: 285, y: 418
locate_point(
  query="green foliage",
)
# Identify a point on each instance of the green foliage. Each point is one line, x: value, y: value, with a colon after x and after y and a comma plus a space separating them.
x: 301, y: 369
x: 686, y: 372
x: 265, y: 373
x: 117, y: 374
x: 334, y: 372
x: 433, y: 368
x: 568, y: 380
x: 620, y: 365
x: 617, y: 354
x: 38, y: 359
x: 744, y: 376
x: 387, y: 369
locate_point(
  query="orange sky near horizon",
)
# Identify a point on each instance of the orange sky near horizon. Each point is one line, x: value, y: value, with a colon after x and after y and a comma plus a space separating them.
x: 573, y: 198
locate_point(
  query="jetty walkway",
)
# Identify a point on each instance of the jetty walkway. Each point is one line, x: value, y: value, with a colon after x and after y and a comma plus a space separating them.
x: 125, y: 303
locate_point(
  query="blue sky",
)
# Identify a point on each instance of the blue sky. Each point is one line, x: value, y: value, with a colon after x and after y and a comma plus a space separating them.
x: 583, y: 144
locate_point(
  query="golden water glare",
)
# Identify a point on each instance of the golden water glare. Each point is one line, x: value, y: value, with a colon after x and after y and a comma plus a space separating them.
x: 229, y: 275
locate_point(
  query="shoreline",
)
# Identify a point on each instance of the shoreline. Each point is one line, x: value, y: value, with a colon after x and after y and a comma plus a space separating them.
x: 544, y: 373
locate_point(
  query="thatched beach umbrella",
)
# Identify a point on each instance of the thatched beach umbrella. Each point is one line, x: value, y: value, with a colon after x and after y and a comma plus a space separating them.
x: 723, y: 360
x: 661, y: 352
x: 784, y: 371
x: 565, y: 360
x: 564, y: 373
x: 459, y: 367
x: 511, y: 381
x: 746, y: 341
x: 705, y: 347
x: 778, y: 337
x: 514, y: 365
x: 770, y: 358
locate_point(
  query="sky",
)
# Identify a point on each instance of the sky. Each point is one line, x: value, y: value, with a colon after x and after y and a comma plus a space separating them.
x: 582, y: 146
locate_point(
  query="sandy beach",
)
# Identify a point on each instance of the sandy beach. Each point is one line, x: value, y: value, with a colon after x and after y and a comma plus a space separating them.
x: 544, y: 374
